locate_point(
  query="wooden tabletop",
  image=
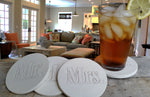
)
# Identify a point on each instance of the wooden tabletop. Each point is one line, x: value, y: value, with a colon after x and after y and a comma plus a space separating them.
x: 136, y: 86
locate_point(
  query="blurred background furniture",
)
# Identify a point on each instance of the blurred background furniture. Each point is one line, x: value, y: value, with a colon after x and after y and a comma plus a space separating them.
x: 16, y: 45
x: 96, y: 45
x: 79, y: 53
x: 67, y: 39
x: 51, y: 51
x: 5, y: 49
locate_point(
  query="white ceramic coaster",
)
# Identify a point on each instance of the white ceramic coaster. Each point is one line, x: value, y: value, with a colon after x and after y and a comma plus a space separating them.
x: 129, y: 70
x: 81, y: 77
x: 50, y: 87
x: 27, y: 73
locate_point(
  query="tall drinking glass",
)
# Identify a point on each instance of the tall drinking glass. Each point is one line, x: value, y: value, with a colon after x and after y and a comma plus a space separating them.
x: 116, y: 27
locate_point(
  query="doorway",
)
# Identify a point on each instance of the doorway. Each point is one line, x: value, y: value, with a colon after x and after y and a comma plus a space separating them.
x: 29, y: 25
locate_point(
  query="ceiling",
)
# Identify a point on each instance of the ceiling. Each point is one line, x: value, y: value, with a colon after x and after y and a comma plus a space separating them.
x: 80, y: 3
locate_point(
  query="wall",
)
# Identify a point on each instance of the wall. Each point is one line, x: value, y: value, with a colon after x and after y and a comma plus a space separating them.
x: 42, y: 17
x: 77, y: 22
x: 47, y: 16
x: 17, y: 17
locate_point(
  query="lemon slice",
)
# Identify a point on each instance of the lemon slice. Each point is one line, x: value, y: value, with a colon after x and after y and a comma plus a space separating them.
x: 140, y: 8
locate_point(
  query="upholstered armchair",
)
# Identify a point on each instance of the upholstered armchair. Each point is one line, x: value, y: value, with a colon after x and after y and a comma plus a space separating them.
x: 13, y: 37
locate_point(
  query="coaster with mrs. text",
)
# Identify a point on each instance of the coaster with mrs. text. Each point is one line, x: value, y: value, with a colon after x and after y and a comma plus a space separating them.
x: 81, y: 77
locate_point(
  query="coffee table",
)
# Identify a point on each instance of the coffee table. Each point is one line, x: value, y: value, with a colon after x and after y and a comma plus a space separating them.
x: 51, y: 51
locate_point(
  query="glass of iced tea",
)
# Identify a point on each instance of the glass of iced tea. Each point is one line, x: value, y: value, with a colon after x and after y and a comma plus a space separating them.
x: 116, y: 27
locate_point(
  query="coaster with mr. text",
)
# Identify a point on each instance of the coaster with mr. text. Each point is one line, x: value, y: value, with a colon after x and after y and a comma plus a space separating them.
x: 27, y: 73
x: 82, y: 77
x: 50, y: 87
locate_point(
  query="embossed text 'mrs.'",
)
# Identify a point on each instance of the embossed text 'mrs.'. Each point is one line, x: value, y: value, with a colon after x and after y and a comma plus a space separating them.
x: 82, y: 76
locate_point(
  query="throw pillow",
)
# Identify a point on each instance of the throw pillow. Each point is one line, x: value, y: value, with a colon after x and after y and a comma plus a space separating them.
x: 86, y: 39
x: 54, y: 37
x: 77, y: 39
x: 45, y: 35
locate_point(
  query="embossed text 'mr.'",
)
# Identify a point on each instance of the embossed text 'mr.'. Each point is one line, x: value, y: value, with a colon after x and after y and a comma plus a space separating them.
x: 26, y: 72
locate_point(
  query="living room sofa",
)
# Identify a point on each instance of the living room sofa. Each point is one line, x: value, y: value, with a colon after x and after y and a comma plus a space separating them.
x: 66, y: 39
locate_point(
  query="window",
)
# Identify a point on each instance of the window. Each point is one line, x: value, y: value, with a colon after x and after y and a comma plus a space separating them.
x: 29, y: 25
x: 25, y: 25
x: 65, y: 21
x: 33, y: 25
x: 33, y: 1
x: 4, y: 17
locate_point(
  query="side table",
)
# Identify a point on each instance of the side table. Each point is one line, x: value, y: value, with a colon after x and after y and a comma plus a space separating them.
x: 5, y: 49
x: 96, y: 45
